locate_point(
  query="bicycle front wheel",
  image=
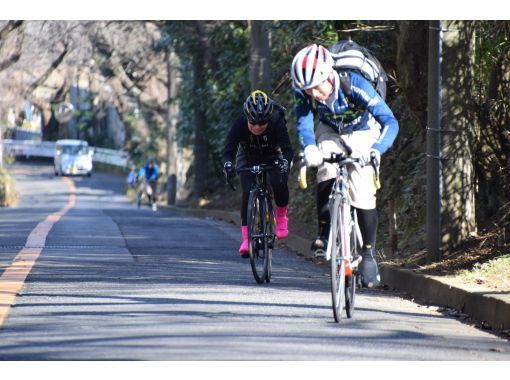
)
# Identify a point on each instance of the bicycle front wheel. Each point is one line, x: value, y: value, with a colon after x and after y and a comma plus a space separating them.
x: 258, y: 244
x: 269, y: 237
x: 337, y: 261
x: 351, y: 279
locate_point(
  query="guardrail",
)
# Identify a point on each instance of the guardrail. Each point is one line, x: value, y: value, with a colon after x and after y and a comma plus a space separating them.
x: 111, y: 156
x: 30, y: 148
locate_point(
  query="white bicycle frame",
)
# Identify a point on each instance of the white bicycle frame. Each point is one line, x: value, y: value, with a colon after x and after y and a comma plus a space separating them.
x: 339, y: 194
x: 145, y: 189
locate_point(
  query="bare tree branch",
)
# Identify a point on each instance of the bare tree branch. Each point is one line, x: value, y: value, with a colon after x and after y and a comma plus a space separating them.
x: 16, y: 55
x: 9, y: 27
x: 48, y: 72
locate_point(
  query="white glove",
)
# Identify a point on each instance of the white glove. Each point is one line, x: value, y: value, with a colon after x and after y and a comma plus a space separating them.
x: 365, y: 158
x: 313, y: 156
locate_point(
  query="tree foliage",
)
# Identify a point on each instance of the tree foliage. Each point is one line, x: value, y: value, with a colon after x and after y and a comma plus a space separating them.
x: 124, y: 63
x: 402, y: 48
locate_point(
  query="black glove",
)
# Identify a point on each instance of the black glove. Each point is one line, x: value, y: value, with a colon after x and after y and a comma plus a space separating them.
x: 283, y: 165
x: 228, y: 171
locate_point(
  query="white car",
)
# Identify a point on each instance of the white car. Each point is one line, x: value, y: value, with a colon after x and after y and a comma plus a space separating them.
x: 73, y: 157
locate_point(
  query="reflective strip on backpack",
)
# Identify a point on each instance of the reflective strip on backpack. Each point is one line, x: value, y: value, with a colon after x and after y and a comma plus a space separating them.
x: 356, y: 60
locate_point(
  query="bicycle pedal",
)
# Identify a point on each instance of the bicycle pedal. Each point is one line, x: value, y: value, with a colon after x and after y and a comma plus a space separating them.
x: 355, y: 263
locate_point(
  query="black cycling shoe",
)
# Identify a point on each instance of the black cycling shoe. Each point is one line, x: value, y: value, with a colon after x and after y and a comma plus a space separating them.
x: 367, y: 270
x: 319, y: 246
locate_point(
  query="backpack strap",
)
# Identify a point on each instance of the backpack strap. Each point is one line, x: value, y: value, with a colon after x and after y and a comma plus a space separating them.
x: 345, y: 83
x: 345, y: 86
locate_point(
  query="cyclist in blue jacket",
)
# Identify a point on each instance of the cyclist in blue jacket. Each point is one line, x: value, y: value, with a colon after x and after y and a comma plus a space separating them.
x: 150, y: 172
x: 350, y: 112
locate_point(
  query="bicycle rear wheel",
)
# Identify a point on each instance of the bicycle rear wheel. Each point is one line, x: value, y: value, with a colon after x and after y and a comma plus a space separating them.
x: 257, y: 227
x: 138, y: 199
x: 337, y: 262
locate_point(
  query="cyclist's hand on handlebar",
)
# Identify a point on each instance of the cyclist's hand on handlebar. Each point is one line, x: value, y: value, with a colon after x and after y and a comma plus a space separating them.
x: 313, y: 156
x: 228, y: 171
x: 365, y: 158
x: 282, y: 164
x: 375, y: 157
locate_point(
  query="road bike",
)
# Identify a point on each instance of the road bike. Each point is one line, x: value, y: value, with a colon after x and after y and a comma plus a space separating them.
x: 344, y: 240
x: 261, y: 222
x: 144, y: 192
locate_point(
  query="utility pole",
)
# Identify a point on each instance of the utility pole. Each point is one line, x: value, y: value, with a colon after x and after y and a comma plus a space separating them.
x: 451, y: 208
x: 434, y: 170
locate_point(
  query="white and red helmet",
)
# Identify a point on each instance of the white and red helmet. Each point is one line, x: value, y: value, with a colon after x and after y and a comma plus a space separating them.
x: 311, y: 66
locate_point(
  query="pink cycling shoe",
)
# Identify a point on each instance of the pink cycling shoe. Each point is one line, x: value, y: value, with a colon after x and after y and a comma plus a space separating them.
x: 244, y: 250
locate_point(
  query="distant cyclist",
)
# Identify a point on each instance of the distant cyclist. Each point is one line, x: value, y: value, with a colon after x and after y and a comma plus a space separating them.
x: 349, y: 111
x: 150, y: 172
x: 131, y: 177
x: 259, y: 136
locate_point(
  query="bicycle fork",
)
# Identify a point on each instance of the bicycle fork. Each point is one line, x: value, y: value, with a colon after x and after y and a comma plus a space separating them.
x: 344, y: 231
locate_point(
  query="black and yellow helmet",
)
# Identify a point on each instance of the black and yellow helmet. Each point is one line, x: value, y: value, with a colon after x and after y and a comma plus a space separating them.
x: 258, y: 107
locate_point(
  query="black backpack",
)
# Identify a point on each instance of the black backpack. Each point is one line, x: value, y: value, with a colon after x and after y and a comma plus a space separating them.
x: 349, y: 56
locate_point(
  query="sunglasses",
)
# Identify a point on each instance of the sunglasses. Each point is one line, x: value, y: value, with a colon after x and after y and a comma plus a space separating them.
x: 260, y: 122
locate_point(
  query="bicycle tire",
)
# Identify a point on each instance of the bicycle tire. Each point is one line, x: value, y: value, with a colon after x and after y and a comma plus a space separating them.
x: 256, y: 229
x: 337, y: 262
x: 270, y: 237
x: 350, y: 294
x: 351, y: 281
x: 138, y: 200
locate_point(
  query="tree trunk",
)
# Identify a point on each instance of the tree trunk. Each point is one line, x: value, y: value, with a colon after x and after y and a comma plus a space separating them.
x: 412, y: 42
x: 260, y: 56
x: 200, y: 143
x: 457, y: 135
x: 172, y: 117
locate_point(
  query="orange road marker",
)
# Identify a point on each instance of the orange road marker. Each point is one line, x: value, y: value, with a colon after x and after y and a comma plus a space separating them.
x: 14, y: 276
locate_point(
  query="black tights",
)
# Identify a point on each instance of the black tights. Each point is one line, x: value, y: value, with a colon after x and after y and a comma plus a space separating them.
x: 367, y: 219
x: 280, y: 191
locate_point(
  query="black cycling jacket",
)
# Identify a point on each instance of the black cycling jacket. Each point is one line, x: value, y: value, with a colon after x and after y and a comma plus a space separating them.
x: 271, y: 144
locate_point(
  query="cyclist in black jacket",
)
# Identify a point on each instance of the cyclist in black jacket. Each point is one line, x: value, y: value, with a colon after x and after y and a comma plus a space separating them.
x: 260, y: 136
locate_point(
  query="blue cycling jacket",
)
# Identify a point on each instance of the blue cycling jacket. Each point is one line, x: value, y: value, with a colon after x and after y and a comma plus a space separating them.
x: 149, y: 174
x: 348, y: 114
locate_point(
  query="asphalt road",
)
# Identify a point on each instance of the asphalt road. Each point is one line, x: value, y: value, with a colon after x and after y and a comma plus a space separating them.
x: 114, y: 282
